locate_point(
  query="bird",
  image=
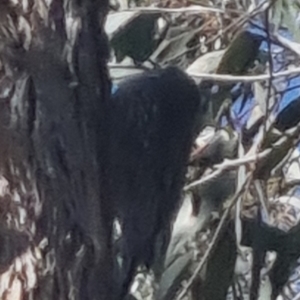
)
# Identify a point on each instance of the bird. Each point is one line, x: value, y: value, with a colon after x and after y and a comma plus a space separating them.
x: 136, y: 39
x: 241, y: 53
x: 289, y: 117
x: 153, y: 119
x: 238, y: 58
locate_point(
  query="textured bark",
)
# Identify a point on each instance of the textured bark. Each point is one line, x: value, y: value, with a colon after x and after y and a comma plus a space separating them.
x: 53, y: 141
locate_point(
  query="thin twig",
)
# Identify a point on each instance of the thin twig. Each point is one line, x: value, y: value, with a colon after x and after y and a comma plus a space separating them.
x: 214, y: 240
x: 250, y: 157
x: 232, y: 78
x: 238, y: 23
x: 285, y: 43
x: 228, y: 165
x: 271, y: 69
x: 190, y: 9
x: 238, y: 208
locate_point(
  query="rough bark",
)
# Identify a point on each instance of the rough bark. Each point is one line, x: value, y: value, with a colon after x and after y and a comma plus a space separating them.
x: 52, y: 137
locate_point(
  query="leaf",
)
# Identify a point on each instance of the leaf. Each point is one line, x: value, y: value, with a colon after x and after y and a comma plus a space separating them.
x: 276, y: 12
x: 289, y: 17
x: 118, y: 73
x: 169, y: 48
x: 136, y: 38
x: 260, y: 96
x: 173, y: 276
x: 206, y: 63
x: 284, y: 14
x: 116, y: 21
x: 241, y: 53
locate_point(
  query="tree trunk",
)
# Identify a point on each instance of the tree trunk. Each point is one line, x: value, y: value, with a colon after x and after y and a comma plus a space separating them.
x: 53, y: 137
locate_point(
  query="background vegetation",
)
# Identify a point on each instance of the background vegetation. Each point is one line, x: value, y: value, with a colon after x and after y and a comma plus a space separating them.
x: 237, y: 233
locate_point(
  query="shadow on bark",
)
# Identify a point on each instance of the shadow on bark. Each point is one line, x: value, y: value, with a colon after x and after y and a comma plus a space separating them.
x: 53, y: 138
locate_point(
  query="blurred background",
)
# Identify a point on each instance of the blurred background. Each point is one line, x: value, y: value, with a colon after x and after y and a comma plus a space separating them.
x: 236, y: 234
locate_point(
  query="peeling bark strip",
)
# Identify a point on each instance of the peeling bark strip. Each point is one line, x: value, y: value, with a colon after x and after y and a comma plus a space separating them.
x: 53, y: 137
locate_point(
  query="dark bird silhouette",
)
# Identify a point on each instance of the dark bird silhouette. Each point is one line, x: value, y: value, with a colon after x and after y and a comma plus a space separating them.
x: 152, y: 124
x: 289, y: 116
x: 136, y: 39
x: 238, y: 58
x: 241, y: 53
